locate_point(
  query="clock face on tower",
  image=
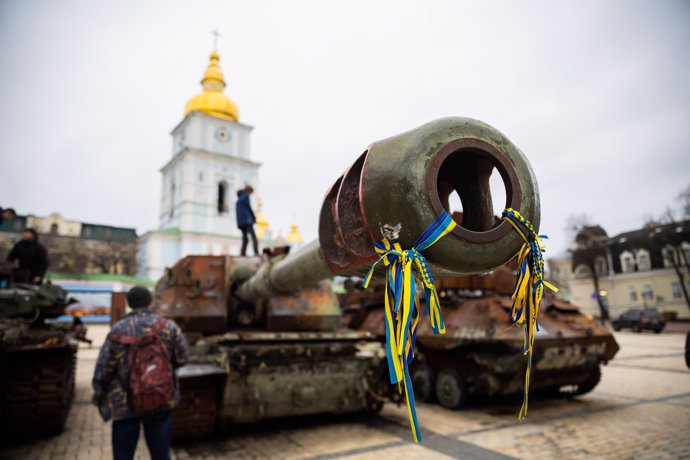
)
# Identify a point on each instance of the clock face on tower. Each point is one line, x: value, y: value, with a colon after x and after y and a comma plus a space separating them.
x: 222, y: 134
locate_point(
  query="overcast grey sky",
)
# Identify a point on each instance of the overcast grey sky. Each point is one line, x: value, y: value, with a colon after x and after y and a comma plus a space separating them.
x: 596, y: 93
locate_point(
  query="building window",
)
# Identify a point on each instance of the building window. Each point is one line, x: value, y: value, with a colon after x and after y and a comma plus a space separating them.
x: 632, y: 291
x: 600, y: 266
x: 53, y: 229
x: 675, y: 287
x: 87, y: 232
x: 643, y: 260
x: 222, y: 197
x: 581, y: 271
x: 669, y: 255
x: 685, y: 249
x: 627, y: 262
x: 647, y: 292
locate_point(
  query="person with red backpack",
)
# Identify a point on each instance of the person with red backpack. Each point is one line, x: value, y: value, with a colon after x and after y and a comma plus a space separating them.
x: 134, y: 381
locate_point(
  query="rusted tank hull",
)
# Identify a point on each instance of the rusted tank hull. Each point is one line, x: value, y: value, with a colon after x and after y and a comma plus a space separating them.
x: 247, y: 364
x: 481, y: 352
x: 254, y: 376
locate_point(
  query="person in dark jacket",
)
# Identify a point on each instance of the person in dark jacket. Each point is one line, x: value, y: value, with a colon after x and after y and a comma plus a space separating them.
x: 246, y: 219
x: 32, y: 257
x: 110, y: 394
x: 7, y: 214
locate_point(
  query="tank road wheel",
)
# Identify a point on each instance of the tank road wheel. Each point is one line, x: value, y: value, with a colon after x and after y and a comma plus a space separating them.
x: 451, y: 390
x: 583, y: 387
x: 378, y: 388
x: 423, y: 383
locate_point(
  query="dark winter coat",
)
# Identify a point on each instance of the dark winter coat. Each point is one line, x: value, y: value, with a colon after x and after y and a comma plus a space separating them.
x: 32, y: 257
x: 112, y: 367
x: 243, y: 210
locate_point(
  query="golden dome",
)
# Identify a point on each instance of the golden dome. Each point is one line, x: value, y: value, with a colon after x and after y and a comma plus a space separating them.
x: 294, y: 236
x: 211, y: 99
x: 261, y: 221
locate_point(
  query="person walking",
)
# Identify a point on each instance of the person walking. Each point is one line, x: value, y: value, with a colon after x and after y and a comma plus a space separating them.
x: 31, y: 256
x: 246, y: 219
x: 134, y: 381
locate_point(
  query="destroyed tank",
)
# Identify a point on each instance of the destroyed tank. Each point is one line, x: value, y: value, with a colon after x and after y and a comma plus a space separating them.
x: 266, y: 332
x: 37, y: 358
x: 481, y: 352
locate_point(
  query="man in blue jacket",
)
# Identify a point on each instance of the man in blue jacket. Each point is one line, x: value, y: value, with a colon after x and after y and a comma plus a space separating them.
x: 246, y: 219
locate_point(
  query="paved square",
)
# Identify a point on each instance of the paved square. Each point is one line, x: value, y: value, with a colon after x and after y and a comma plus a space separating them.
x: 640, y: 410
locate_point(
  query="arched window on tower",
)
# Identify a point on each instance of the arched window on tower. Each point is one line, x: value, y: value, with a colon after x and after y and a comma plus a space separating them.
x: 222, y: 197
x: 53, y: 229
x: 172, y: 200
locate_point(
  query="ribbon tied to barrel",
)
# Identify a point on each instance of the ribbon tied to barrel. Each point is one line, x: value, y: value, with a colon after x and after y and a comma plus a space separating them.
x: 529, y: 288
x: 402, y: 310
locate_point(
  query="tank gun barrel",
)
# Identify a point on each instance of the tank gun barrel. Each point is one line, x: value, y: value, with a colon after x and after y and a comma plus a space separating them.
x: 396, y: 189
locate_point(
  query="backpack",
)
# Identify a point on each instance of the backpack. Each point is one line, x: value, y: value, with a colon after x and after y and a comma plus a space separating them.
x: 151, y: 377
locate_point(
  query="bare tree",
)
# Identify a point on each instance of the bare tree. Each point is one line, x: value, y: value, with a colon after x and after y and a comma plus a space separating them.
x: 684, y: 198
x: 590, y: 246
x: 114, y: 257
x: 672, y: 242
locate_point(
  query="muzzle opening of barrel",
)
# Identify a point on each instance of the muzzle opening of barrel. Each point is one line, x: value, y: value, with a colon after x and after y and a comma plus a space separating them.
x: 460, y: 177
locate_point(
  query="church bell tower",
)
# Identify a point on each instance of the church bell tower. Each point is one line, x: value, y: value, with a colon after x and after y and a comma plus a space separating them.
x: 210, y: 162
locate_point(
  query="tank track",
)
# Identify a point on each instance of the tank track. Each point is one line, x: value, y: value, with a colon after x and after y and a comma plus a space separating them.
x: 37, y: 390
x: 196, y: 414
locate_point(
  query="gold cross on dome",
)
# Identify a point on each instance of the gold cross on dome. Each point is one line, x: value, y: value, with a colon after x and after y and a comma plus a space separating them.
x: 215, y: 34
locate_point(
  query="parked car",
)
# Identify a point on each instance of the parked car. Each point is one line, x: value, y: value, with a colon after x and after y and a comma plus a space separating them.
x: 638, y: 320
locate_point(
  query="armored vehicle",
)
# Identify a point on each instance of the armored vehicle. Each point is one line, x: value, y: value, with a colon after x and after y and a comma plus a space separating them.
x: 481, y: 352
x: 267, y: 335
x: 37, y: 358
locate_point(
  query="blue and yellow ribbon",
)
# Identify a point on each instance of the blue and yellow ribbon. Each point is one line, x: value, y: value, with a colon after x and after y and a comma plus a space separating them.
x: 402, y: 310
x: 529, y: 288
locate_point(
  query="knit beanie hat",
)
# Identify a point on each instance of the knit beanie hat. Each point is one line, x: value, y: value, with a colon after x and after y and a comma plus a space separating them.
x: 139, y: 297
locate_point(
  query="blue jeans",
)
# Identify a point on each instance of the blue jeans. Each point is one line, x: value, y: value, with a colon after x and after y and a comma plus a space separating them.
x: 247, y: 231
x: 157, y: 431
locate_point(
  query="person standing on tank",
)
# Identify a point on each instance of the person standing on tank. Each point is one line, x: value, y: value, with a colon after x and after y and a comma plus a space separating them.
x: 246, y: 219
x: 31, y: 256
x: 7, y: 214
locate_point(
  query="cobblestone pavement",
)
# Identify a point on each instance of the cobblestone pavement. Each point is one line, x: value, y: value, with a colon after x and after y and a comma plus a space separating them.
x: 640, y: 410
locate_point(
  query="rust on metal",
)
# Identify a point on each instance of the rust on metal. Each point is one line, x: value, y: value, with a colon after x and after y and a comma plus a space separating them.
x: 315, y: 308
x: 349, y: 214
